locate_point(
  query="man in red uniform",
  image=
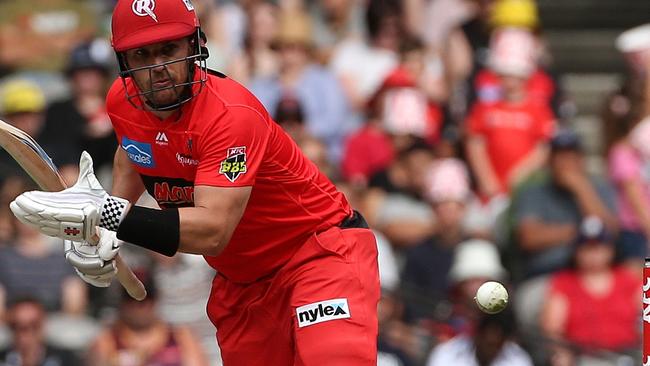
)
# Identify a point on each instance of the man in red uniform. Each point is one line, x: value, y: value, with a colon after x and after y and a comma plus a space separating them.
x: 298, y: 281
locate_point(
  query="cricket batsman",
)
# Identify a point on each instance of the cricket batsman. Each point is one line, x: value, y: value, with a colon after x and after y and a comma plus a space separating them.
x: 297, y: 280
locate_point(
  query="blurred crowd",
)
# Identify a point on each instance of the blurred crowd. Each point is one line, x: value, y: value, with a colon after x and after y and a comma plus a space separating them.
x: 441, y: 120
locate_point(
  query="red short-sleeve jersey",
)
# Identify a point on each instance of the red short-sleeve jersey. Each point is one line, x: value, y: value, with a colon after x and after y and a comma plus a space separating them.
x: 511, y: 131
x: 225, y: 138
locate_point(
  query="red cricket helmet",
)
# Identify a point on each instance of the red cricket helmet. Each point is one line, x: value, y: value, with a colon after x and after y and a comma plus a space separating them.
x: 138, y: 23
x: 141, y: 22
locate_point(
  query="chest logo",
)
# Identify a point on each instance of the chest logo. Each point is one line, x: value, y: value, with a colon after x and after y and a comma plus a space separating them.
x: 138, y: 152
x: 144, y: 8
x: 161, y: 139
x: 235, y: 163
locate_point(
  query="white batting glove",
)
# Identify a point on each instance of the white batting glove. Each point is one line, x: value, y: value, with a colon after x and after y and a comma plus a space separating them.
x: 89, y: 263
x: 74, y: 213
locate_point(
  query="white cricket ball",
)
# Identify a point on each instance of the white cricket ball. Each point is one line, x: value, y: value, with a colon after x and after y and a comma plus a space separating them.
x: 491, y: 297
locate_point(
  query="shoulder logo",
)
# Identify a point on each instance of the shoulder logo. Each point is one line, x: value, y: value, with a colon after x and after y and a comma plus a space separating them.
x: 323, y: 311
x: 161, y: 139
x: 188, y: 5
x: 234, y: 164
x: 144, y: 8
x: 138, y: 152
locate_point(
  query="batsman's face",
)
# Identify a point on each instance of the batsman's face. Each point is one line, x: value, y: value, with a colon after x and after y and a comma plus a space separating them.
x: 161, y: 68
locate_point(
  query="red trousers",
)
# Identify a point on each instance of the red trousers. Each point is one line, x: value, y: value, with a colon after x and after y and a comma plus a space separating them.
x: 319, y: 309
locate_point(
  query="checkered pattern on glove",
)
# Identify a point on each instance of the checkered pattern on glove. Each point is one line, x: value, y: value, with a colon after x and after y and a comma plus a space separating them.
x: 112, y: 212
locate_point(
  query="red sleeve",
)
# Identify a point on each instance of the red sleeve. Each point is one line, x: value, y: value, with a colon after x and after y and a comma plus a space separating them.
x: 475, y: 121
x: 231, y: 151
x: 545, y: 123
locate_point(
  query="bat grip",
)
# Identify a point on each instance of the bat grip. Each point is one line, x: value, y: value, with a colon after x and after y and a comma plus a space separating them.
x: 129, y: 281
x: 125, y: 275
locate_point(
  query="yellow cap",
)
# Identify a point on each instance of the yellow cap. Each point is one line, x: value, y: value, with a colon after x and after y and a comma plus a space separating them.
x: 19, y: 96
x: 514, y: 13
x: 294, y: 27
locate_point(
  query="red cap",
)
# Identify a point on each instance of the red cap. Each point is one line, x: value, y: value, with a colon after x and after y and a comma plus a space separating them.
x: 142, y: 22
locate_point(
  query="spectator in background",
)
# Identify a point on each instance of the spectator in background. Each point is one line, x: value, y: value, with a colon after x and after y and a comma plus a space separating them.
x: 630, y: 104
x: 398, y: 114
x: 326, y: 111
x: 467, y: 46
x: 507, y: 139
x: 541, y: 87
x: 183, y: 284
x: 32, y: 264
x: 628, y: 161
x: 594, y: 305
x: 334, y: 22
x: 475, y: 261
x: 140, y: 337
x: 492, y: 344
x: 81, y: 122
x: 289, y: 114
x: 256, y: 59
x: 394, y: 201
x: 37, y: 35
x: 427, y: 264
x: 547, y: 213
x: 26, y: 318
x: 23, y: 106
x: 363, y: 67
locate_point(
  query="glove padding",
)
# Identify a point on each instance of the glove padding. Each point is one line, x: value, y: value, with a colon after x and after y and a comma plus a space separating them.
x: 74, y: 213
x: 95, y: 264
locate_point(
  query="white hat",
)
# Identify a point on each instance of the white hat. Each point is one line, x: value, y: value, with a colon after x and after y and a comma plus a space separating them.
x: 634, y: 40
x: 476, y: 258
x: 512, y: 52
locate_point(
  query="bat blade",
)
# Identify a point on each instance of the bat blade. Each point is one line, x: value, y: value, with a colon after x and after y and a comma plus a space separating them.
x: 40, y: 167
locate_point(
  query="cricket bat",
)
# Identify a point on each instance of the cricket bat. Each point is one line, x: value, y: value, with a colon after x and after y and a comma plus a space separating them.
x: 35, y: 161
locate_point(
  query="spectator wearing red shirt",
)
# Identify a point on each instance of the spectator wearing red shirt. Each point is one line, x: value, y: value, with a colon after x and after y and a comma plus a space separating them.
x: 595, y: 305
x: 507, y: 138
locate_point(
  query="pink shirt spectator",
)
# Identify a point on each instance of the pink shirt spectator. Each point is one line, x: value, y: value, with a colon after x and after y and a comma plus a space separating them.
x: 625, y: 164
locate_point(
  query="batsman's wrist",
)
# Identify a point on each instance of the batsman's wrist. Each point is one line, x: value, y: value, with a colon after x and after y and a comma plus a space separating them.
x: 113, y: 212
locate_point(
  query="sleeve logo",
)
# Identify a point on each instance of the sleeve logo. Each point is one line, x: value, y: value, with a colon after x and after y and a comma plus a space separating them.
x: 235, y: 163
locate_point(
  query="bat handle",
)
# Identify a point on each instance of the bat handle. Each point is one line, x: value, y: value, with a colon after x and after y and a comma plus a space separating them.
x: 129, y: 281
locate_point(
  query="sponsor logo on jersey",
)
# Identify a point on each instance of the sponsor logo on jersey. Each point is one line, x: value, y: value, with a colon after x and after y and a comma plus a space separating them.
x: 161, y: 139
x: 186, y: 160
x: 323, y: 311
x: 172, y: 195
x: 143, y: 8
x: 138, y: 152
x: 235, y: 163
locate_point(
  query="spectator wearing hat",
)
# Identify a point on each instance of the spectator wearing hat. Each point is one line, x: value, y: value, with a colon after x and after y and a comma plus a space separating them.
x: 630, y: 104
x: 507, y: 138
x: 22, y: 105
x: 398, y: 114
x: 593, y: 306
x: 485, y: 84
x: 326, y: 111
x: 80, y: 122
x: 475, y: 261
x: 547, y: 212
